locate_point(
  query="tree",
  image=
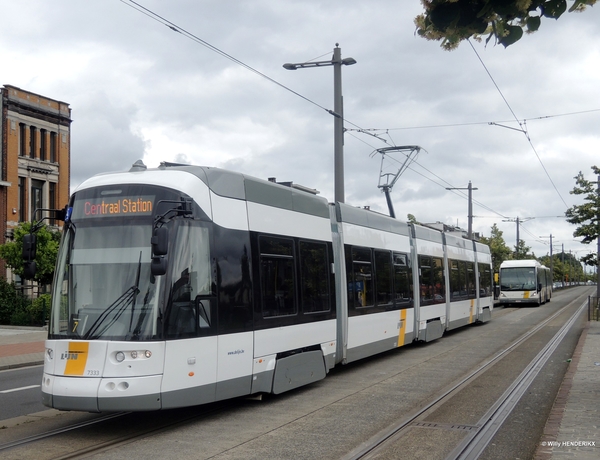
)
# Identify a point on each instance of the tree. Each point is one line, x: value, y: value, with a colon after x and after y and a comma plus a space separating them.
x: 45, y: 259
x: 452, y: 21
x: 522, y: 251
x: 411, y: 219
x: 500, y: 251
x: 587, y: 215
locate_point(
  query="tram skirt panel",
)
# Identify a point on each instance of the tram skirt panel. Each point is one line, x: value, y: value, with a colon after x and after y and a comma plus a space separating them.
x: 298, y: 370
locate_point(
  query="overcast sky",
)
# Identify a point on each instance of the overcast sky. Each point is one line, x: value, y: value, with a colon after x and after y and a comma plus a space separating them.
x: 139, y: 90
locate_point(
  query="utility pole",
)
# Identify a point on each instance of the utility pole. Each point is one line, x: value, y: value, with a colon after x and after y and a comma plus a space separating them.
x: 518, y: 221
x: 470, y: 212
x: 551, y: 259
x: 563, y: 264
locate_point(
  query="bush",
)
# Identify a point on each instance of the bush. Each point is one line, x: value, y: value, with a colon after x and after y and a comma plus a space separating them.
x: 39, y: 310
x: 12, y: 302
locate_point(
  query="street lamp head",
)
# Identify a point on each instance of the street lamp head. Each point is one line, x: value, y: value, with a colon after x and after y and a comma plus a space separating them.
x: 289, y: 66
x: 348, y: 61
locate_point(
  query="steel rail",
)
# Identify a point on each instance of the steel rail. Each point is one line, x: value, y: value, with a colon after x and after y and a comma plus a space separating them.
x: 472, y: 447
x: 368, y: 447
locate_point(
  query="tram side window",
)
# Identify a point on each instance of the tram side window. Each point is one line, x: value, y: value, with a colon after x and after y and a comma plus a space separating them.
x: 458, y: 280
x: 485, y: 280
x: 426, y: 284
x: 360, y: 277
x: 402, y: 281
x: 462, y: 280
x: 439, y: 285
x: 471, y: 279
x: 277, y: 277
x: 189, y: 316
x: 314, y: 277
x: 383, y: 278
x: 432, y: 285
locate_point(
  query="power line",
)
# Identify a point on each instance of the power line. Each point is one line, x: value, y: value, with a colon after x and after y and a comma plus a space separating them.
x: 175, y: 28
x: 474, y: 123
x: 522, y: 125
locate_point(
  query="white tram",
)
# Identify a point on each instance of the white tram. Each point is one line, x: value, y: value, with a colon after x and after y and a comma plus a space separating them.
x: 183, y: 285
x: 524, y: 281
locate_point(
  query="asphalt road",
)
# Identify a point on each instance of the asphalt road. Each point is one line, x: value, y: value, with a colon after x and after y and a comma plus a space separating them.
x: 20, y: 392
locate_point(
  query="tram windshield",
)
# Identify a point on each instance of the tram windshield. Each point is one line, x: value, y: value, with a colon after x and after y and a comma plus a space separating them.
x: 104, y: 288
x: 518, y: 279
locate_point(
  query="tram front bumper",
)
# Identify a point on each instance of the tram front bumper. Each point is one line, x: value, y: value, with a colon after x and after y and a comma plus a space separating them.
x: 102, y: 394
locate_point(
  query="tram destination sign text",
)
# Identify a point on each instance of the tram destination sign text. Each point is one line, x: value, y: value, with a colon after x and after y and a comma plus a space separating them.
x: 113, y: 207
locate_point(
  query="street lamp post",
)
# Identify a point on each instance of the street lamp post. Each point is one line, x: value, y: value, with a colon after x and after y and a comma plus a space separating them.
x: 338, y: 113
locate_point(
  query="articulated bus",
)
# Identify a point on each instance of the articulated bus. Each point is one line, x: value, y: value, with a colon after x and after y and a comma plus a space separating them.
x: 524, y: 281
x: 182, y: 285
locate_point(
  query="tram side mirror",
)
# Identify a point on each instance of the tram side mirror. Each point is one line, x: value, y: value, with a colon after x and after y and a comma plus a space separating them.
x: 540, y: 287
x: 29, y: 247
x: 158, y: 266
x: 29, y: 270
x: 160, y: 241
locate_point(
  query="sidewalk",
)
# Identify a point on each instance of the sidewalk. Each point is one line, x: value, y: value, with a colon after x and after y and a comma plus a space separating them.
x: 21, y: 346
x: 573, y: 427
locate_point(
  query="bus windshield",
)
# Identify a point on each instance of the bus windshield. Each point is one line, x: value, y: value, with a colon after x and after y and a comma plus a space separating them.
x: 518, y: 279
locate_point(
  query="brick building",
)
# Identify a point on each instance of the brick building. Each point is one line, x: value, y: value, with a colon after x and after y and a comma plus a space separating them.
x: 35, y: 161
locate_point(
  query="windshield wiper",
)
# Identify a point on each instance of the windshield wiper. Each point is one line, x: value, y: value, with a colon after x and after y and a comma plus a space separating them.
x: 120, y: 305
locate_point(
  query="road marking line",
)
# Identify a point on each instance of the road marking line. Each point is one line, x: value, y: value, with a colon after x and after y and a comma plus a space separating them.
x: 19, y: 389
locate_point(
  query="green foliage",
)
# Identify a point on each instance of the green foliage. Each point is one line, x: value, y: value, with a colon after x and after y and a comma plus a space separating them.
x: 47, y: 250
x: 522, y: 251
x: 39, y: 309
x: 411, y: 219
x: 565, y: 266
x: 587, y: 215
x: 11, y: 302
x: 500, y: 251
x: 451, y: 21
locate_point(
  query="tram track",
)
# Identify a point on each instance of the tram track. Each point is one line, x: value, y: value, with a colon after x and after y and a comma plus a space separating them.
x: 130, y: 432
x: 70, y: 436
x: 478, y: 435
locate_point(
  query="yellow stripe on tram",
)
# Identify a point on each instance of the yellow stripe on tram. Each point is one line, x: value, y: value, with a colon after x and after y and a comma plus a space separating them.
x: 77, y: 358
x: 402, y: 328
x: 471, y: 311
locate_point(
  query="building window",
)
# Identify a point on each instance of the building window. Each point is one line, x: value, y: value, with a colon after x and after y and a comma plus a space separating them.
x: 22, y: 139
x: 53, y: 140
x: 52, y: 199
x: 43, y: 144
x: 22, y: 203
x: 32, y: 138
x: 37, y: 187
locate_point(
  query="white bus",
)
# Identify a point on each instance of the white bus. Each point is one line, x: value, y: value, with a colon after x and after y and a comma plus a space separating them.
x: 524, y: 281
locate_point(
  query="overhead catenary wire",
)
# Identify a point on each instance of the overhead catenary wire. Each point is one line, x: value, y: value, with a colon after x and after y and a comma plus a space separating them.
x: 522, y: 125
x: 174, y: 27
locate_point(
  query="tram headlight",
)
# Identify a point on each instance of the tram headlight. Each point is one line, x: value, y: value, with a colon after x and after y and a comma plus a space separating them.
x: 147, y: 353
x: 120, y: 356
x: 134, y: 354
